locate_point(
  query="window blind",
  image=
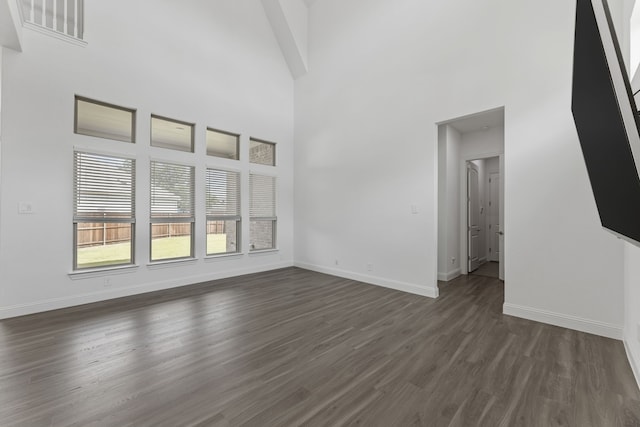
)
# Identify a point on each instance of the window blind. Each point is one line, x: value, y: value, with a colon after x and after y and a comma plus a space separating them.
x: 172, y: 192
x: 222, y: 144
x: 223, y: 194
x: 104, y: 188
x: 102, y: 120
x: 262, y: 189
x: 171, y: 134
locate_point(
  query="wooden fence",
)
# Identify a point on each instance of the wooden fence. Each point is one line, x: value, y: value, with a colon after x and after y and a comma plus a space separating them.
x: 98, y: 234
x: 94, y: 234
x: 161, y: 231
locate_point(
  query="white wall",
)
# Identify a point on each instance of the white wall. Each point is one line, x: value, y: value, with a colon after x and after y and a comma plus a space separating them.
x: 442, y: 203
x: 449, y: 203
x: 366, y: 149
x: 214, y: 63
x: 632, y: 302
x: 482, y: 143
x: 492, y: 166
x: 561, y: 267
x: 1, y: 85
x: 635, y: 40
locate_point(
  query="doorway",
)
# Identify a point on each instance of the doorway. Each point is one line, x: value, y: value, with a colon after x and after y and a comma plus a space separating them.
x: 470, y: 156
x: 483, y: 216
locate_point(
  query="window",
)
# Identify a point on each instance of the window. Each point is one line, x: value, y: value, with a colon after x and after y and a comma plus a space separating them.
x: 262, y: 152
x: 223, y: 212
x: 262, y: 212
x: 171, y: 134
x: 222, y: 144
x: 104, y: 210
x: 172, y: 211
x: 102, y: 120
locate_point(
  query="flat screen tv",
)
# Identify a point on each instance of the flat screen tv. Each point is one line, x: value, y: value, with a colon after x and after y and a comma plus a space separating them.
x: 606, y: 119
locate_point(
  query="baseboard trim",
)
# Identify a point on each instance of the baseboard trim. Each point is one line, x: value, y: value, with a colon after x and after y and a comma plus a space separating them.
x: 373, y: 280
x: 66, y: 302
x: 632, y: 356
x: 445, y: 277
x: 564, y: 320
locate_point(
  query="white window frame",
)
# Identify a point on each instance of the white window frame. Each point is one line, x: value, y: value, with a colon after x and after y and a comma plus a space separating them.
x: 223, y: 132
x: 177, y: 123
x: 169, y: 218
x: 262, y: 141
x: 263, y: 207
x: 232, y: 214
x: 93, y: 133
x: 83, y: 215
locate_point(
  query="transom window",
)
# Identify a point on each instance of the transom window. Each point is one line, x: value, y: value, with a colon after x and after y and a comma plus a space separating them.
x: 223, y: 144
x: 102, y: 120
x: 171, y: 134
x: 262, y: 152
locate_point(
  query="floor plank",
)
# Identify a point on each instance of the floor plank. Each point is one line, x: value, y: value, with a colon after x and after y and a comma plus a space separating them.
x: 293, y: 347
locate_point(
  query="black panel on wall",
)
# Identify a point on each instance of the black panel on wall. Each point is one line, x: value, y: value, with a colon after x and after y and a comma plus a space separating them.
x: 601, y: 129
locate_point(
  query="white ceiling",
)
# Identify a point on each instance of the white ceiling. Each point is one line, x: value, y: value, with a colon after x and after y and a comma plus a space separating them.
x: 479, y: 121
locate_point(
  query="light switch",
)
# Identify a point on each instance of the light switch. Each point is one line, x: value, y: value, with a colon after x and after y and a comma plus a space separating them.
x: 414, y: 209
x: 25, y: 208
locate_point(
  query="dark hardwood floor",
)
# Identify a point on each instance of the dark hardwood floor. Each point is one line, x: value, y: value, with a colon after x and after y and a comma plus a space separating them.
x: 293, y: 347
x: 488, y: 269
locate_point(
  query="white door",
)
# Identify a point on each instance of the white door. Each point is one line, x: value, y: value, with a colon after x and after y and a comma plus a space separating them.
x: 493, y: 217
x: 473, y: 216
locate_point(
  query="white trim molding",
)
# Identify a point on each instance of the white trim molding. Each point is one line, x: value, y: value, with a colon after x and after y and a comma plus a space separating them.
x: 75, y: 300
x: 450, y: 275
x: 564, y: 320
x: 411, y: 288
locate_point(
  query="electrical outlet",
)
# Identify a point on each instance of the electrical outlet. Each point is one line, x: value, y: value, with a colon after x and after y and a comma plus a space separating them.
x: 638, y: 331
x: 369, y: 266
x: 107, y: 282
x: 453, y: 260
x: 25, y: 208
x: 337, y: 263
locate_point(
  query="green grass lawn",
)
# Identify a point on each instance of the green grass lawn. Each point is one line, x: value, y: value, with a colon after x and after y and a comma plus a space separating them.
x: 164, y: 248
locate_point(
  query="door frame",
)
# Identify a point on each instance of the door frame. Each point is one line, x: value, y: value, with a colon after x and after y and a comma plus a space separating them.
x: 464, y: 247
x: 491, y: 207
x: 472, y: 166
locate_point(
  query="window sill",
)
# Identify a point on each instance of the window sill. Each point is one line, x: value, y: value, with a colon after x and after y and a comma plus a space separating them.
x: 170, y: 262
x: 264, y: 251
x: 209, y: 258
x: 99, y: 272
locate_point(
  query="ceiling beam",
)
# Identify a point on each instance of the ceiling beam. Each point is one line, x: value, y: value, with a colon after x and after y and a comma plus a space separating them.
x: 288, y: 19
x: 10, y: 25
